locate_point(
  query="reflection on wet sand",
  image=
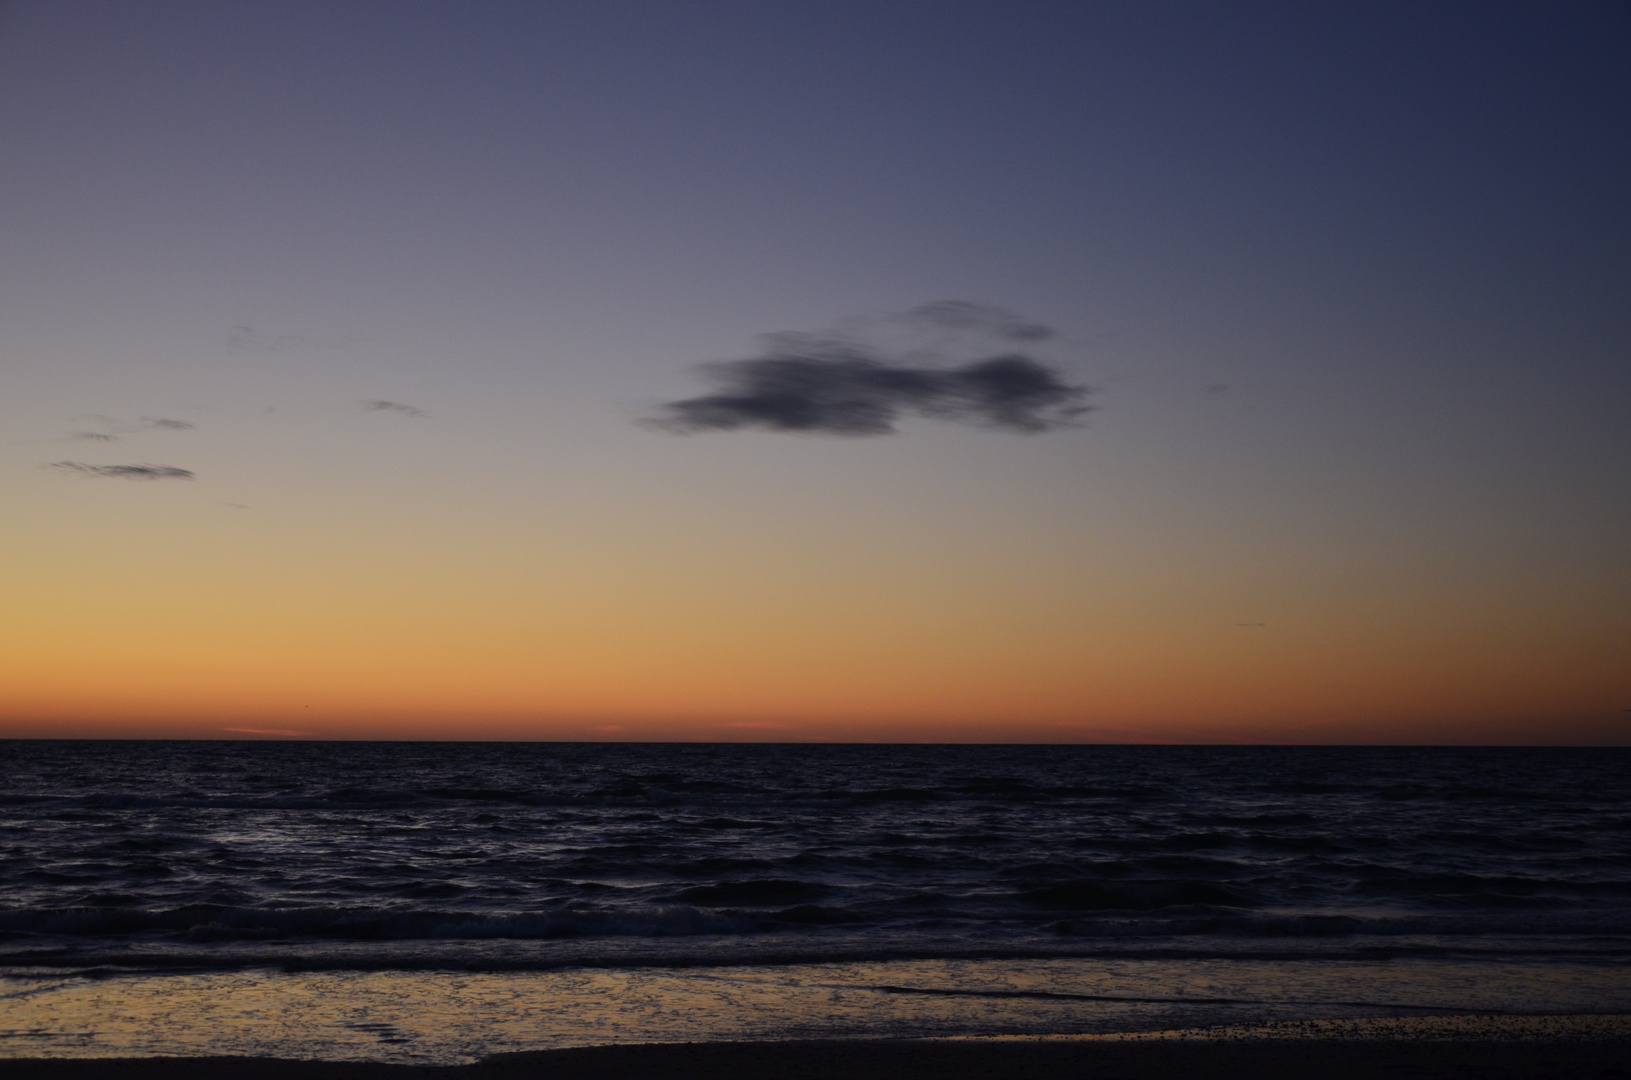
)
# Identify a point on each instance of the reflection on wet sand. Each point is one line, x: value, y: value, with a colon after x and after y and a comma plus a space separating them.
x: 459, y: 1017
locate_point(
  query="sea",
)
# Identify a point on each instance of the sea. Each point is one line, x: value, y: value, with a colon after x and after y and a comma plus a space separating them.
x: 439, y: 902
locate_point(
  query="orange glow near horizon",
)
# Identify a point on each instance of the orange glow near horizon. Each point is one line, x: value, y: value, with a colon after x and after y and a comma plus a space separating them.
x: 850, y: 682
x: 228, y: 631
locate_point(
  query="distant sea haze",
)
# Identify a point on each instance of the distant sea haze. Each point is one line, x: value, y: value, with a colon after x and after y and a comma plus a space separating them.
x: 194, y: 855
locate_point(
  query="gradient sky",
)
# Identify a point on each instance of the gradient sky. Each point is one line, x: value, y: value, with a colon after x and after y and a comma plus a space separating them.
x: 399, y: 289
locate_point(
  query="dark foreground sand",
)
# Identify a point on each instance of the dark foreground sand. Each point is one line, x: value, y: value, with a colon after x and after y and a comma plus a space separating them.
x: 1273, y: 1052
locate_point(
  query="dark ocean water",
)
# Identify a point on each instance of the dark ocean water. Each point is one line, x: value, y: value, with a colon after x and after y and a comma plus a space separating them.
x: 190, y: 856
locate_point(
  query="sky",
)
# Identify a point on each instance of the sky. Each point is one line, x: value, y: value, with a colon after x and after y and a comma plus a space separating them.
x: 1037, y: 372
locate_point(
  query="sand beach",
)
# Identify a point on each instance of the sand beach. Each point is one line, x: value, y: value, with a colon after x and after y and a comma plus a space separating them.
x: 1494, y: 1047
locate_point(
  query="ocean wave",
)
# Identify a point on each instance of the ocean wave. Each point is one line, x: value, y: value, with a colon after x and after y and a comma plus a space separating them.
x: 598, y: 849
x: 1135, y: 895
x: 757, y: 893
x: 204, y: 922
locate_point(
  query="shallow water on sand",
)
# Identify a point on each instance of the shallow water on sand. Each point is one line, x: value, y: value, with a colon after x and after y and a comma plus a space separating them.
x: 454, y: 1017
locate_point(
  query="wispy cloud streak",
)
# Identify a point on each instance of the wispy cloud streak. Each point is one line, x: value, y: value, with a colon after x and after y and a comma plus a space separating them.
x: 125, y: 472
x: 396, y: 407
x: 963, y: 317
x: 112, y: 427
x: 250, y: 339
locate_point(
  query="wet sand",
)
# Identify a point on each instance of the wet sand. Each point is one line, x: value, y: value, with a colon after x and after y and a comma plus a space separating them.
x: 1499, y: 1048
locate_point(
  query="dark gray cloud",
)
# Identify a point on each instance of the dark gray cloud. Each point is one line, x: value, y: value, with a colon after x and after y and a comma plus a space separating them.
x: 126, y: 472
x: 847, y: 383
x: 861, y: 396
x: 166, y: 425
x: 394, y: 406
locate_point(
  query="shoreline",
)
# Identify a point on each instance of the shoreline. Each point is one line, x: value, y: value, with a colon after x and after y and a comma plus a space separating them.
x: 1505, y: 1047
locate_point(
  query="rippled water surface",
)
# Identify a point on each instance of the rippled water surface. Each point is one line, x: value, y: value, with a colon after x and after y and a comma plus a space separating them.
x: 379, y: 854
x: 155, y: 862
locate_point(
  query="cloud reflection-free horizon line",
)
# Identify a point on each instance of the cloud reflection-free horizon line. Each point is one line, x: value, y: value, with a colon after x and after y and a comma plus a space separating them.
x: 281, y: 732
